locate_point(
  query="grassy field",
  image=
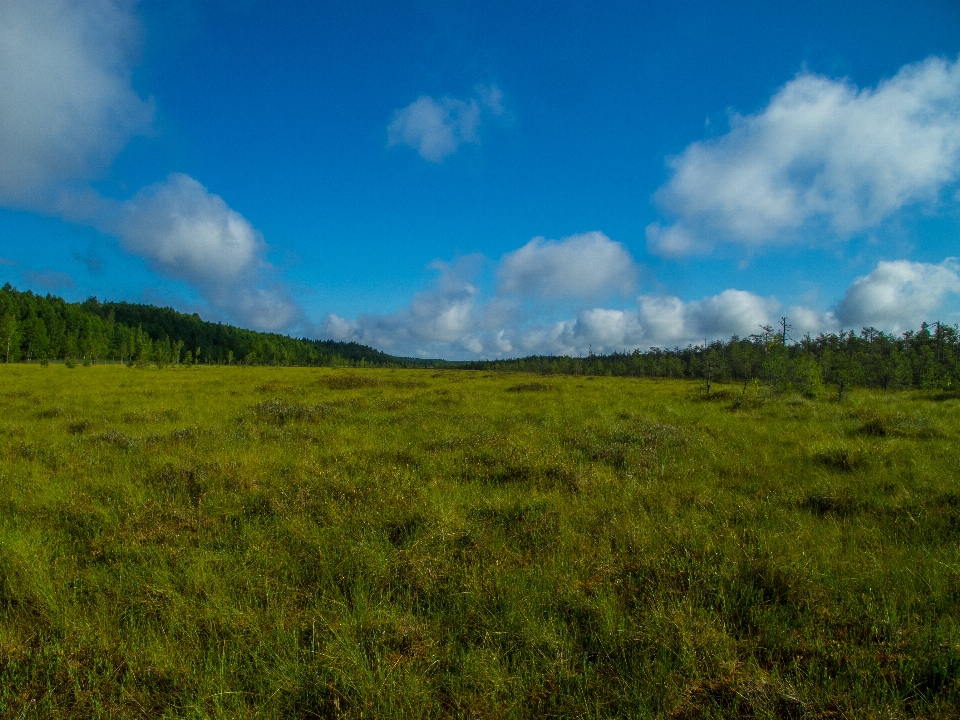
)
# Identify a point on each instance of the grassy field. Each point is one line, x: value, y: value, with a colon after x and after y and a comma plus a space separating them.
x: 266, y: 542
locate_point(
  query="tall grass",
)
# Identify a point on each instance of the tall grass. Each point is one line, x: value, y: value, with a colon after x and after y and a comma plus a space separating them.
x: 258, y: 542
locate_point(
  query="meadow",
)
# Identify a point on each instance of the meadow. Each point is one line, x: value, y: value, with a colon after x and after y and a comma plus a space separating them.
x: 245, y: 542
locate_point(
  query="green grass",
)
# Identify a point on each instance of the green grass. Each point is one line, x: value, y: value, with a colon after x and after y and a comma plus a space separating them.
x: 259, y: 542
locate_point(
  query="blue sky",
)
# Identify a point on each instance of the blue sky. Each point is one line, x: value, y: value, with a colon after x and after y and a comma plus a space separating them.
x: 487, y: 179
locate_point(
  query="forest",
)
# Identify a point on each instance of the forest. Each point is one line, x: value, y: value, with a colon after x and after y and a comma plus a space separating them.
x: 923, y: 359
x: 43, y: 328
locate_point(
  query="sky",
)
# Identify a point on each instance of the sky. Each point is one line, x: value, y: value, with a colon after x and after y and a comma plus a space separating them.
x: 479, y: 179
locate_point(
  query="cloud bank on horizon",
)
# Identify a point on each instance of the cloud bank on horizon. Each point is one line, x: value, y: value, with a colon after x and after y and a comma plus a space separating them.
x: 453, y: 318
x: 824, y: 161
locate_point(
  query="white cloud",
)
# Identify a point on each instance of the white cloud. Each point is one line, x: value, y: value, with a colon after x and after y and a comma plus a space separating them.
x: 657, y: 321
x: 501, y: 344
x: 436, y: 128
x: 67, y: 103
x: 669, y: 321
x: 732, y: 312
x: 339, y: 328
x: 664, y: 320
x: 553, y: 339
x: 898, y: 295
x: 672, y: 240
x: 186, y: 232
x: 822, y: 153
x: 586, y: 265
x: 441, y: 319
x: 263, y: 308
x: 808, y: 320
x: 599, y: 329
x: 607, y: 330
x: 189, y: 234
x: 453, y: 320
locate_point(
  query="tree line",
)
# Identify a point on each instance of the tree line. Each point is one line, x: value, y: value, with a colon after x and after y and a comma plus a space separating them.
x: 928, y: 358
x: 35, y: 328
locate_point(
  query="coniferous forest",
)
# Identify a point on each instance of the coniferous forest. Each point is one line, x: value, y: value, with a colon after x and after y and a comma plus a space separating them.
x: 926, y: 358
x: 35, y: 328
x: 39, y: 328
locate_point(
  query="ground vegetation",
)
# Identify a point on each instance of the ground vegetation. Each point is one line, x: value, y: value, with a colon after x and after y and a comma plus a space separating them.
x: 213, y: 541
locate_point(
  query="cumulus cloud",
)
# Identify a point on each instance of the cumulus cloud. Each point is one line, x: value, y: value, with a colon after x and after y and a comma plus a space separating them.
x: 557, y: 338
x: 665, y: 321
x: 821, y: 154
x: 262, y: 308
x: 436, y: 128
x: 187, y: 233
x: 809, y: 320
x: 656, y: 321
x: 669, y: 321
x: 732, y: 312
x: 672, y: 240
x: 68, y: 106
x: 586, y: 265
x: 607, y: 329
x: 898, y: 295
x: 453, y: 319
x: 438, y: 320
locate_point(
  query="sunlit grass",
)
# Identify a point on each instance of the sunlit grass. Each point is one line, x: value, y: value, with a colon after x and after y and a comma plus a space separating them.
x: 241, y: 542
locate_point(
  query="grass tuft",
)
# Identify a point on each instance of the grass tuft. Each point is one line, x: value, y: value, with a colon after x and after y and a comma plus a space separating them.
x: 530, y: 387
x: 280, y: 412
x: 840, y: 459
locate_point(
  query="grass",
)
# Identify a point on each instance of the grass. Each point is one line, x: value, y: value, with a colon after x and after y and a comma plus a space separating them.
x: 260, y: 542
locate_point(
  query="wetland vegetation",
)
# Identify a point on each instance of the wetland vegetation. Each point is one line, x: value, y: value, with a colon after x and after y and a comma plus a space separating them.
x: 203, y: 541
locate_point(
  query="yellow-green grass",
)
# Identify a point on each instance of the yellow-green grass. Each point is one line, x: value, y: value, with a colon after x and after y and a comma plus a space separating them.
x: 286, y: 542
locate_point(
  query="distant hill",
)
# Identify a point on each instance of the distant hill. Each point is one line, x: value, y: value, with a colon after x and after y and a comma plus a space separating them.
x: 35, y: 327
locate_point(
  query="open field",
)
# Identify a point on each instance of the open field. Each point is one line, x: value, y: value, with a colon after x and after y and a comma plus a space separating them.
x: 267, y: 542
